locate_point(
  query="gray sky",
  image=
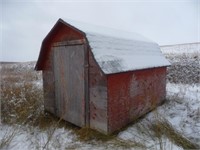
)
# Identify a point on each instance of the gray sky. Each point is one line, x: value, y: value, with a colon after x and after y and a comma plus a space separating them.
x: 24, y: 23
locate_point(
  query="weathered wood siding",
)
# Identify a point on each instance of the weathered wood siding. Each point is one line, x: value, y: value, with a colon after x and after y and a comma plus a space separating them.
x: 48, y: 86
x: 69, y: 61
x: 132, y: 94
x: 98, y: 96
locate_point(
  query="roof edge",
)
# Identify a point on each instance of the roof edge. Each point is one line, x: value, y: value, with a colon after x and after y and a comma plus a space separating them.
x: 136, y: 70
x: 38, y: 65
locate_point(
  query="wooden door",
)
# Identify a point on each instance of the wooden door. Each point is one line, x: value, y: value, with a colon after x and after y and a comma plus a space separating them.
x: 70, y: 83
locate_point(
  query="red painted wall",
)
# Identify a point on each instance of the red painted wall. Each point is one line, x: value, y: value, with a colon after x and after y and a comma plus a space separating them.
x: 60, y: 33
x: 132, y: 94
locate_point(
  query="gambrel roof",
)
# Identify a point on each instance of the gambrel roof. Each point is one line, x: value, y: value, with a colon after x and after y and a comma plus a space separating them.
x: 118, y: 51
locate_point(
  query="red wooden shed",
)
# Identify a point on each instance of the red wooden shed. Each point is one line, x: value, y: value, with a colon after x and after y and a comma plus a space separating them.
x: 100, y: 77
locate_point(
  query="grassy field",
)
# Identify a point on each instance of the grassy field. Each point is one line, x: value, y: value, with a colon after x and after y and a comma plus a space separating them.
x: 25, y: 124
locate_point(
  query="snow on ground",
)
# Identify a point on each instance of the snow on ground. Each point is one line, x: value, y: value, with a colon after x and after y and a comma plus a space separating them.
x: 182, y: 111
x: 33, y: 138
x: 26, y: 138
x: 181, y: 48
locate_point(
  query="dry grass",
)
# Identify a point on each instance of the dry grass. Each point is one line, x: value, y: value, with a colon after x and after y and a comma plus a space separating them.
x: 21, y: 99
x: 88, y: 135
x: 22, y: 103
x: 164, y: 128
x: 160, y: 132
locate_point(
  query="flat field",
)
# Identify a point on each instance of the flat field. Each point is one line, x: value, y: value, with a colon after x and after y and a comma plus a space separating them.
x: 174, y: 125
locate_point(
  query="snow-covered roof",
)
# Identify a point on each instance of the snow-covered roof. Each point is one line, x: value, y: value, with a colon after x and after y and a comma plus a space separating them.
x: 119, y: 51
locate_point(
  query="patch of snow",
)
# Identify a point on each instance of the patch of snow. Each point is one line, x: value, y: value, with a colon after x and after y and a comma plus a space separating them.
x: 38, y: 84
x: 181, y: 48
x: 135, y: 134
x: 60, y: 138
x: 26, y: 138
x: 184, y: 110
x: 185, y: 91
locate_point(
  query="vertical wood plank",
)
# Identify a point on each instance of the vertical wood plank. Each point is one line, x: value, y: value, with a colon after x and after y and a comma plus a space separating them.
x: 98, y: 97
x: 48, y: 86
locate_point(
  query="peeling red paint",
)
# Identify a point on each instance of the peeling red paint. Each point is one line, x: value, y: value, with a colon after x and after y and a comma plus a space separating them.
x: 132, y: 94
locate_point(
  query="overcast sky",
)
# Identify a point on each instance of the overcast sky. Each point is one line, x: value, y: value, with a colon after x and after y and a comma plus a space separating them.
x: 25, y: 23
